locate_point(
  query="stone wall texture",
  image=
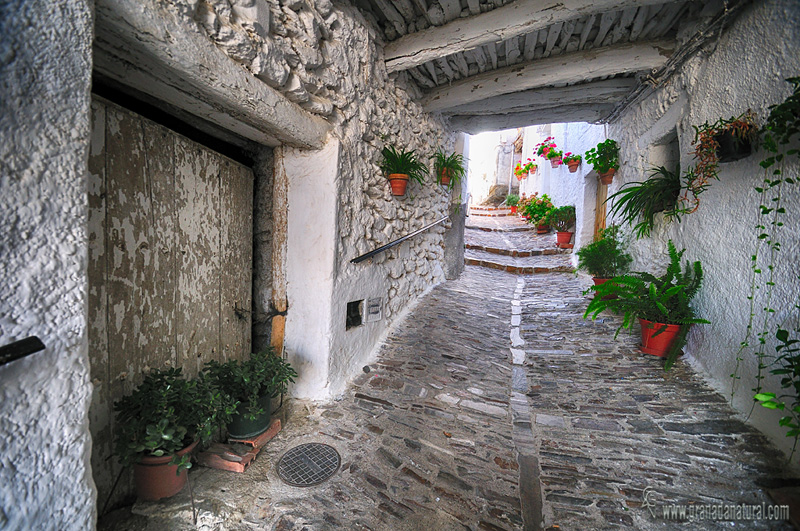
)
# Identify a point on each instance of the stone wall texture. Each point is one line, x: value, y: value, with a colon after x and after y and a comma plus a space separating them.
x: 746, y: 69
x: 328, y: 59
x: 45, y: 71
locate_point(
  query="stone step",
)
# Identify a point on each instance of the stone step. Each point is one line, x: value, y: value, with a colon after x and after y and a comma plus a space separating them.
x: 517, y: 253
x: 535, y: 264
x: 499, y: 229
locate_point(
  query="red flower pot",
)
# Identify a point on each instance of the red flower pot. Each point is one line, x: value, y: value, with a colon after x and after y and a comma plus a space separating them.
x: 444, y: 178
x: 608, y: 176
x: 542, y: 229
x: 599, y: 281
x: 398, y: 182
x: 514, y: 209
x: 660, y: 344
x: 155, y: 478
x: 573, y: 165
x: 563, y: 237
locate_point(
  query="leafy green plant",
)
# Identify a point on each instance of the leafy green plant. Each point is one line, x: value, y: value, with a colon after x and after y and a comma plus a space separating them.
x: 512, y: 200
x: 166, y: 413
x: 606, y: 257
x: 537, y: 209
x: 664, y: 299
x: 403, y: 162
x: 604, y: 156
x: 571, y: 157
x: 264, y: 374
x: 452, y: 165
x: 779, y: 137
x: 561, y: 218
x: 643, y: 200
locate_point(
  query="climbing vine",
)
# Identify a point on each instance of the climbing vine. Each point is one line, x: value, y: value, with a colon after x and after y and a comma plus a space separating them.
x: 780, y: 135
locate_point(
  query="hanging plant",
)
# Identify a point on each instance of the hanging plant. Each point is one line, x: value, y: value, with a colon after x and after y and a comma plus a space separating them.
x: 521, y: 171
x: 604, y: 158
x: 547, y: 149
x: 643, y: 200
x: 733, y: 134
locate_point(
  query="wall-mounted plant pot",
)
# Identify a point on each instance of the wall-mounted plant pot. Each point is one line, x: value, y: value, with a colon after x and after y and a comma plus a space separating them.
x: 555, y: 163
x: 607, y: 177
x: 155, y: 478
x: 661, y: 343
x: 398, y: 182
x: 732, y: 148
x: 563, y: 237
x: 573, y: 165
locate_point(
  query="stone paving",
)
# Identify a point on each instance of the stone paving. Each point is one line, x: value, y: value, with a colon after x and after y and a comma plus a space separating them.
x: 493, y: 406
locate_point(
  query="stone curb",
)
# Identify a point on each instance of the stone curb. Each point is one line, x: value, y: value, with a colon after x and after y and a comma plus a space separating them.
x: 489, y: 229
x: 516, y: 252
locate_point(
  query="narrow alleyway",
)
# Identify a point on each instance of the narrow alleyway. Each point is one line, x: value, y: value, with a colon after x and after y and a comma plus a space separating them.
x: 496, y: 406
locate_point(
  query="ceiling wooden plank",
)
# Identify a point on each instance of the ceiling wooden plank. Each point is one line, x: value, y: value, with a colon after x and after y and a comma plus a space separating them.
x: 499, y: 122
x: 392, y: 15
x: 451, y: 8
x: 638, y: 23
x: 474, y: 7
x: 514, y: 19
x: 512, y: 51
x: 566, y: 68
x: 491, y: 50
x: 552, y: 37
x: 530, y: 45
x: 587, y: 29
x: 598, y: 92
x: 606, y: 21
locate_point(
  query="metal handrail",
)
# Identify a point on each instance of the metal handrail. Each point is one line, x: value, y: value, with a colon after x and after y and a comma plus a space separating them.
x: 395, y: 242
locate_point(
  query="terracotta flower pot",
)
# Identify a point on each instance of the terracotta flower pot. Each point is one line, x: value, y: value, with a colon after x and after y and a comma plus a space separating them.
x: 514, y: 209
x: 660, y: 344
x: 573, y: 165
x: 563, y: 237
x: 155, y: 478
x: 398, y: 182
x: 444, y: 178
x: 608, y: 176
x: 542, y: 229
x: 555, y: 163
x: 598, y: 281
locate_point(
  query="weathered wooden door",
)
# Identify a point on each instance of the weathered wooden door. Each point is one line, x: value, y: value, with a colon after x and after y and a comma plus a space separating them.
x: 170, y: 261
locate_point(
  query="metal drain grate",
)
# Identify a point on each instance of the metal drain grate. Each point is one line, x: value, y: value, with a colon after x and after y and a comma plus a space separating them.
x: 308, y: 464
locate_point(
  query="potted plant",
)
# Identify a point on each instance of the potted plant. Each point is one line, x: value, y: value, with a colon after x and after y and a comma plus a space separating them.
x: 643, y: 200
x: 521, y: 171
x: 604, y: 158
x: 399, y: 167
x: 522, y: 205
x: 547, y: 149
x: 512, y: 200
x: 562, y: 218
x: 160, y: 423
x: 572, y: 160
x: 724, y: 141
x: 449, y: 169
x: 661, y: 304
x: 605, y: 258
x: 251, y: 384
x: 537, y: 210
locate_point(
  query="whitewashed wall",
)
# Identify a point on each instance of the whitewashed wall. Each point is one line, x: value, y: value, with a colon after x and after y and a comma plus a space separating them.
x: 45, y: 481
x: 745, y: 71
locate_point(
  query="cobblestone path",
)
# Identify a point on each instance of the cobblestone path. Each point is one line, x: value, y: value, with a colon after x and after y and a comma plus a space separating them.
x: 496, y: 406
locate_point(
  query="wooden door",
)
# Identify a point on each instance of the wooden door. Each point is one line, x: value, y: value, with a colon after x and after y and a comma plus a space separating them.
x: 600, y: 209
x: 170, y: 262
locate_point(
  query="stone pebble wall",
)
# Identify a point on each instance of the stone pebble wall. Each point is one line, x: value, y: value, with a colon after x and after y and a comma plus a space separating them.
x: 722, y: 234
x: 45, y: 72
x: 329, y: 60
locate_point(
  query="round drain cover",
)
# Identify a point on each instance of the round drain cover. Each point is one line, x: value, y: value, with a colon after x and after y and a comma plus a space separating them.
x: 308, y: 464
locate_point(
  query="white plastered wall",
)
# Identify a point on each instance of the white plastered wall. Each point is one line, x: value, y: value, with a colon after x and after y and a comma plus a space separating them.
x: 310, y: 262
x: 746, y: 70
x: 45, y: 480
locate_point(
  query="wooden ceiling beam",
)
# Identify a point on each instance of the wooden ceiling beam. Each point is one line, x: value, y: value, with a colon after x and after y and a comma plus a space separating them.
x: 511, y: 20
x: 568, y: 68
x: 499, y: 122
x: 610, y: 91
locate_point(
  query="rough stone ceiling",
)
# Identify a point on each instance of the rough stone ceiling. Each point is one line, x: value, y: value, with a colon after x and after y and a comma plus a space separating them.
x: 494, y: 64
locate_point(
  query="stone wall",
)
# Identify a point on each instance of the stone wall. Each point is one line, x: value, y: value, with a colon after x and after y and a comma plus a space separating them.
x: 745, y: 69
x: 45, y: 72
x: 328, y: 59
